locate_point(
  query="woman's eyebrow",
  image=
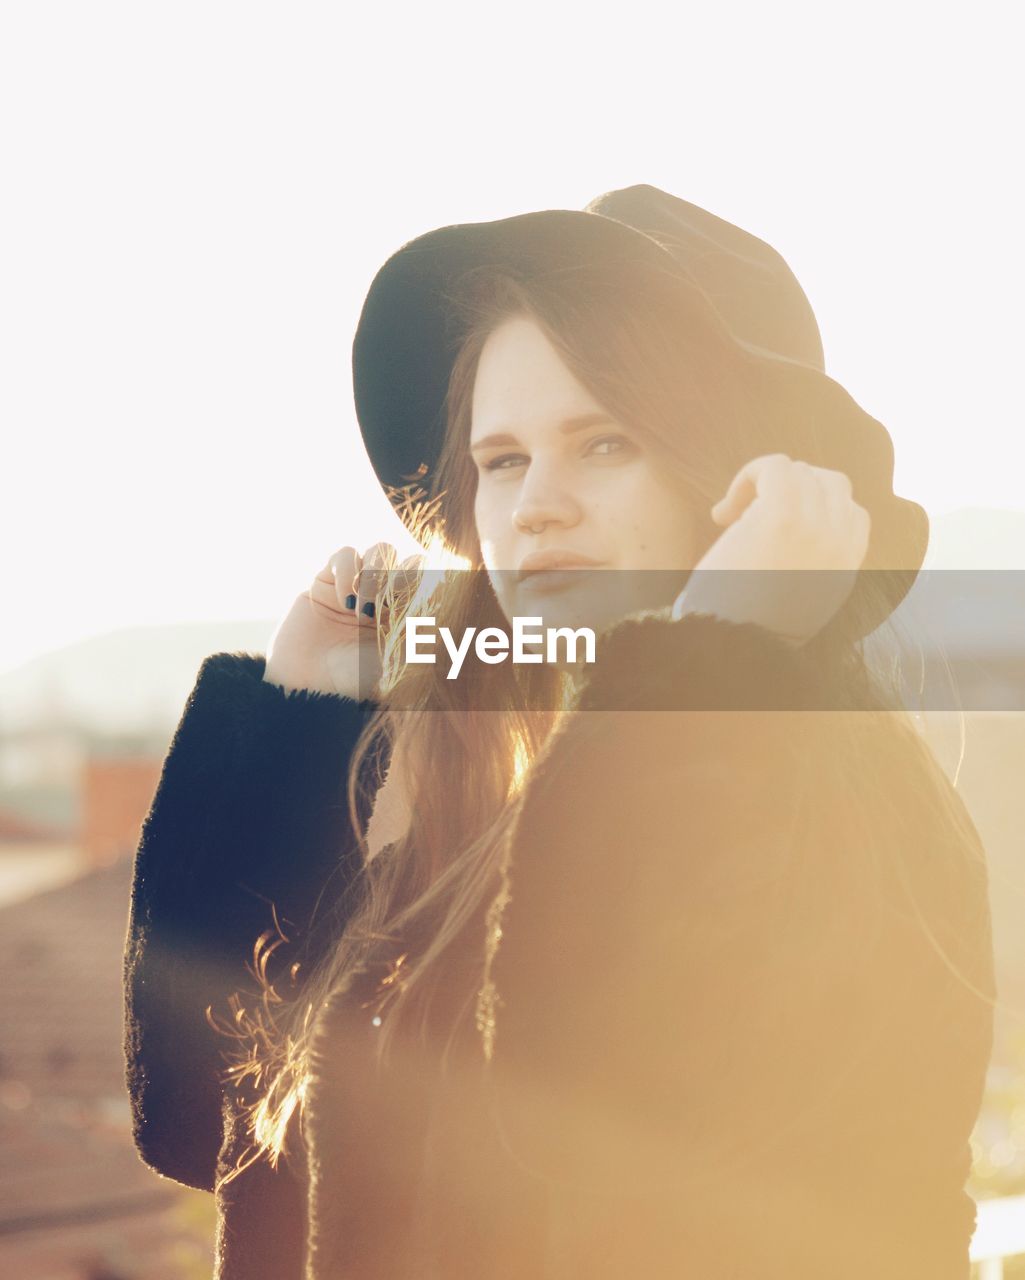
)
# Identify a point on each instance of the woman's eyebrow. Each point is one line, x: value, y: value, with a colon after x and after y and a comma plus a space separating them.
x: 567, y: 426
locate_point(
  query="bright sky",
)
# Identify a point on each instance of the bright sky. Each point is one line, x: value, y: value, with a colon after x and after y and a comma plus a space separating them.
x: 198, y: 195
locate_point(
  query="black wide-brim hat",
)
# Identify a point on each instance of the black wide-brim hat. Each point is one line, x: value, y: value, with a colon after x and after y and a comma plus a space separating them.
x: 405, y: 346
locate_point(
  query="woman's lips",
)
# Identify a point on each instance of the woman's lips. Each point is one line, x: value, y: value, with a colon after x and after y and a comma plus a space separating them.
x: 554, y: 558
x: 545, y: 580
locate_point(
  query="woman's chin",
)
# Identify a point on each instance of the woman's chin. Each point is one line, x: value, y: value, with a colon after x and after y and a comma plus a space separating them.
x: 575, y: 598
x: 573, y: 609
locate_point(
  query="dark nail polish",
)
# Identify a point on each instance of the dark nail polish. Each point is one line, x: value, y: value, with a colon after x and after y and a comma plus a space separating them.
x: 350, y: 602
x: 368, y: 608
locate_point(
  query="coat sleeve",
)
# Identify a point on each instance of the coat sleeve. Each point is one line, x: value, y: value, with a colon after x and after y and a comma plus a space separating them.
x: 743, y: 974
x: 248, y: 832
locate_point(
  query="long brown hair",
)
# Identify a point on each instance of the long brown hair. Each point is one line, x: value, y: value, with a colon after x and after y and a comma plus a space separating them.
x: 654, y: 358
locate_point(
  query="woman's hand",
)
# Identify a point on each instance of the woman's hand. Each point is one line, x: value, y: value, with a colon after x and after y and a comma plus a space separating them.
x: 327, y: 642
x: 781, y: 514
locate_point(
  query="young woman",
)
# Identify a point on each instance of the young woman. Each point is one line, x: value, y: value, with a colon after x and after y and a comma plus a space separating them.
x: 673, y: 964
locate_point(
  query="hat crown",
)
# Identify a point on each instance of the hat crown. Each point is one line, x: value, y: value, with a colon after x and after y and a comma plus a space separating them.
x: 746, y: 280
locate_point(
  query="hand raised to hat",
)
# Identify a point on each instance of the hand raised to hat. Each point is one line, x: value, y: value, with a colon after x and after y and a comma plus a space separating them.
x: 781, y: 514
x: 328, y: 641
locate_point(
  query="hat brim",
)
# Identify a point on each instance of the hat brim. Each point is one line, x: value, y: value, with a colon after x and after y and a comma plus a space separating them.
x: 404, y: 348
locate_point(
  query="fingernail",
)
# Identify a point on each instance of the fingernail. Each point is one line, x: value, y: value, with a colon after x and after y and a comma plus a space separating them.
x: 368, y: 608
x: 350, y: 602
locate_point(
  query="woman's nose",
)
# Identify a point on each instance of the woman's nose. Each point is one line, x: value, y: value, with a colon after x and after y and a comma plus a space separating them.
x: 544, y: 499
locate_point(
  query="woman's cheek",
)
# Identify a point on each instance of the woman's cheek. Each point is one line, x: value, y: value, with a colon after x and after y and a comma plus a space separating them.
x: 495, y: 550
x: 484, y: 521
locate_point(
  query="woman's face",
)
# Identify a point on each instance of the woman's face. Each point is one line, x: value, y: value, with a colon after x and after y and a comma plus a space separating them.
x: 555, y: 473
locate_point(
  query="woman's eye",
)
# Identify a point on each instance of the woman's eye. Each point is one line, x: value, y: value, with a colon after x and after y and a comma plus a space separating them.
x: 621, y: 441
x: 505, y: 461
x: 497, y: 464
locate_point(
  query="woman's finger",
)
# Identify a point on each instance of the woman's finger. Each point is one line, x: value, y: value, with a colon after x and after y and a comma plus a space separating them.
x: 839, y: 481
x: 372, y: 578
x: 747, y: 485
x: 809, y: 509
x: 846, y: 522
x: 330, y: 588
x: 341, y: 570
x: 340, y: 564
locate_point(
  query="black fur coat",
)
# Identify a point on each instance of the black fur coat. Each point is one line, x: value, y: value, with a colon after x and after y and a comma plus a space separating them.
x: 743, y: 982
